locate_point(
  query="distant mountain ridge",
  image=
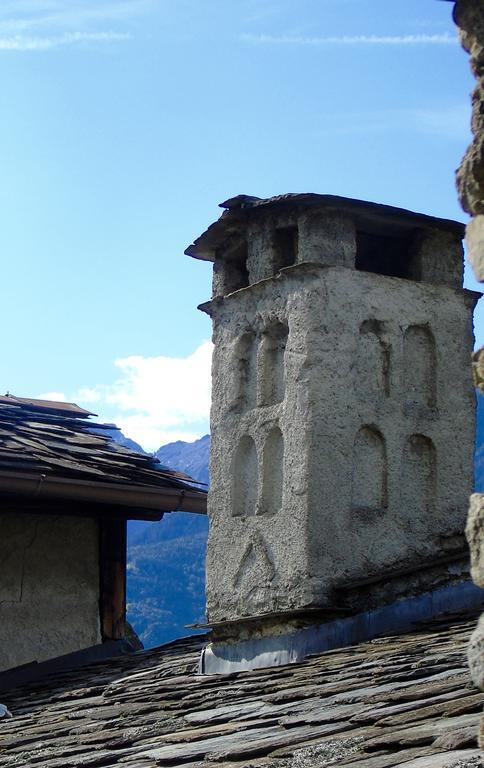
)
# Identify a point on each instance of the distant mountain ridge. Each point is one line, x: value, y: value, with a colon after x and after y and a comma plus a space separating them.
x: 191, y: 458
x: 118, y: 437
x: 166, y: 560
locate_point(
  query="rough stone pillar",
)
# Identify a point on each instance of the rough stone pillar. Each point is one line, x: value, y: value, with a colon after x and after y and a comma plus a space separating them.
x: 475, y: 536
x: 449, y: 269
x: 260, y: 252
x: 469, y: 17
x: 329, y: 240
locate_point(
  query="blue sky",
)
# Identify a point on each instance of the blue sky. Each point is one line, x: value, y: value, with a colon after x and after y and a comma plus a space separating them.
x: 125, y: 123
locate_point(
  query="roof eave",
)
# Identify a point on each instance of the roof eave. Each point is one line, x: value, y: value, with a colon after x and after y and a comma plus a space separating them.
x: 242, y: 206
x: 160, y: 499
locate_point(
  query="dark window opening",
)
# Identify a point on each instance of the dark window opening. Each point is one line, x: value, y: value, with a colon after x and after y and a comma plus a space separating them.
x: 285, y: 247
x: 236, y: 272
x: 385, y: 255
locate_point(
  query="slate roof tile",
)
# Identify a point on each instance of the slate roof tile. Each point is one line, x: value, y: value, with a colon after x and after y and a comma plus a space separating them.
x: 401, y: 700
x: 59, y: 439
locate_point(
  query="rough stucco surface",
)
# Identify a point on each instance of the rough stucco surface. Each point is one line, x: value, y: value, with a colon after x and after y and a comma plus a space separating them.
x: 475, y: 537
x: 49, y: 587
x: 469, y: 16
x: 376, y: 418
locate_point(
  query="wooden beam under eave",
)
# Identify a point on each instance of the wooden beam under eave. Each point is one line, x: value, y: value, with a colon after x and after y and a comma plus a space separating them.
x: 112, y: 571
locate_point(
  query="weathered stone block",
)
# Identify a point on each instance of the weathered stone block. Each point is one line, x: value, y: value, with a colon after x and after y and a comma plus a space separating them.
x: 469, y: 16
x: 478, y: 368
x: 260, y: 253
x: 475, y: 245
x: 475, y: 537
x: 327, y: 238
x: 475, y: 654
x: 438, y: 257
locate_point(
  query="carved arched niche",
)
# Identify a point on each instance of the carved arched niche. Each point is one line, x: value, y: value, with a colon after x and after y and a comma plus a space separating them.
x: 245, y: 478
x: 369, y: 478
x: 419, y: 366
x: 373, y: 359
x: 419, y: 468
x: 272, y: 347
x: 245, y: 372
x: 272, y: 473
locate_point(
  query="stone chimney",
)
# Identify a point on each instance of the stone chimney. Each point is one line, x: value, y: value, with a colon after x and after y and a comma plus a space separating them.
x: 342, y: 424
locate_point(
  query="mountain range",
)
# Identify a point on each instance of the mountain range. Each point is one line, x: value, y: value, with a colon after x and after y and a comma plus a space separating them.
x: 166, y: 560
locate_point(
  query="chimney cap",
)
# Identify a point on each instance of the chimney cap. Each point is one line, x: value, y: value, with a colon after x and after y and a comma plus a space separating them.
x: 372, y: 217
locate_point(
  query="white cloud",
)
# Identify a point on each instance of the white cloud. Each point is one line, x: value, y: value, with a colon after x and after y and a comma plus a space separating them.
x: 36, y: 14
x: 23, y: 43
x: 57, y: 396
x: 154, y: 400
x: 423, y: 39
x: 88, y: 395
x: 40, y: 25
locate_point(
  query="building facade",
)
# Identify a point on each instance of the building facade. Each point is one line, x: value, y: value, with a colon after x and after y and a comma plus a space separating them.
x: 66, y: 491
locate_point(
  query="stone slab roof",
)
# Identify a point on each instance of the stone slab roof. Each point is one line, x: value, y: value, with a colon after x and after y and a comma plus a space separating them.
x: 372, y: 217
x: 53, y: 450
x: 401, y: 700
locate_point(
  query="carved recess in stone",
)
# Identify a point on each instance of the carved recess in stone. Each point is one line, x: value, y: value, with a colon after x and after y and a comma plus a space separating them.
x: 373, y: 360
x: 419, y: 367
x: 419, y: 474
x: 256, y: 564
x: 245, y: 478
x: 270, y: 364
x: 370, y: 473
x: 272, y: 473
x: 245, y: 372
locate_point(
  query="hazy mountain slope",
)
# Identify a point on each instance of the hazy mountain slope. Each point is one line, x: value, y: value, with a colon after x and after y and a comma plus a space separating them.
x: 166, y: 560
x: 191, y: 458
x: 118, y: 437
x: 166, y: 584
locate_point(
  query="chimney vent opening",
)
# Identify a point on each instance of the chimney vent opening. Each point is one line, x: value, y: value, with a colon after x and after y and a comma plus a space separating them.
x: 285, y: 247
x: 388, y: 255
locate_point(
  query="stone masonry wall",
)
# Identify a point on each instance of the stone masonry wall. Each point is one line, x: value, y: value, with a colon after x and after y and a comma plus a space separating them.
x: 335, y: 392
x: 469, y: 17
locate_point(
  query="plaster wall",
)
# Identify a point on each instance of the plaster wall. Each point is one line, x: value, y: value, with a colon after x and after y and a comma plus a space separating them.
x: 49, y: 587
x: 366, y: 445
